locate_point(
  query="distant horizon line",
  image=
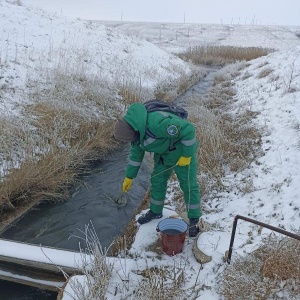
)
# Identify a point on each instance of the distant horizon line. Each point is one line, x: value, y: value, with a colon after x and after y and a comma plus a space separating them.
x: 173, y: 22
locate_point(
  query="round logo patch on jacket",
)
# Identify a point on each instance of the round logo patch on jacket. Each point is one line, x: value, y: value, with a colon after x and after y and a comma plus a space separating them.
x: 172, y: 130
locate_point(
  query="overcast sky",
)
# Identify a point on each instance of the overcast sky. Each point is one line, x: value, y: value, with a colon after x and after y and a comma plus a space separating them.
x: 260, y: 12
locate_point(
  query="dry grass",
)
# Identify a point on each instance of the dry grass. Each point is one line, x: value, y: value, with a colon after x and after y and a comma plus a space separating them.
x: 12, y: 136
x: 167, y: 90
x: 265, y: 72
x: 123, y: 242
x: 221, y: 55
x: 96, y: 269
x: 49, y: 175
x: 64, y: 132
x: 128, y: 96
x: 271, y: 272
x: 71, y: 125
x: 132, y: 91
x: 26, y: 182
x: 163, y: 283
x: 170, y: 89
x: 229, y: 140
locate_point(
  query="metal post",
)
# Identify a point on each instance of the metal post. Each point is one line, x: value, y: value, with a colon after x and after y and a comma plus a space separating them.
x: 279, y: 230
x: 232, y: 239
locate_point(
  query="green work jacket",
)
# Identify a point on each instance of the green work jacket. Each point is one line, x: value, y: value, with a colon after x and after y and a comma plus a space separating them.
x: 166, y: 135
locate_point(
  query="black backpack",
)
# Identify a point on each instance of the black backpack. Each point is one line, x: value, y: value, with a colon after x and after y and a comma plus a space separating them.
x: 158, y: 105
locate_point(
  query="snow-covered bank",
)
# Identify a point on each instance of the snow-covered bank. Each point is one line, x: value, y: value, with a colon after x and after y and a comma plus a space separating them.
x: 267, y: 191
x: 32, y: 41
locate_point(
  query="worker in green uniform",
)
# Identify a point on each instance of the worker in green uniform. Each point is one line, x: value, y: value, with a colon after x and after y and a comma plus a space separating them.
x: 173, y: 142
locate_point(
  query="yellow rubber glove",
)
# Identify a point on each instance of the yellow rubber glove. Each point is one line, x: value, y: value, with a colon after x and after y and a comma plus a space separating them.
x: 183, y: 161
x: 127, y: 183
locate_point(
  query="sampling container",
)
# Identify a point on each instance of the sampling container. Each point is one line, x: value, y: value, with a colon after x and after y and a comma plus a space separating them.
x: 172, y: 232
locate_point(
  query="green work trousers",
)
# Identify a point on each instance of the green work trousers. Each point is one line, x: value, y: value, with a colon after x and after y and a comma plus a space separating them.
x: 187, y: 177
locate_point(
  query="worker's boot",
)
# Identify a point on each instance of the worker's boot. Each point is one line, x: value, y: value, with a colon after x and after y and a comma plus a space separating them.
x: 149, y: 216
x: 193, y: 227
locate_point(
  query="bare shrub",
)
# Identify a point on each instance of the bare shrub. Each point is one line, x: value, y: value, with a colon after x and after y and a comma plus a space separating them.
x: 221, y: 55
x: 271, y: 272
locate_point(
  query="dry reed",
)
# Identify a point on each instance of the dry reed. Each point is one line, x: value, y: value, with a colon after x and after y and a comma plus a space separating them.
x: 221, y: 55
x: 270, y: 272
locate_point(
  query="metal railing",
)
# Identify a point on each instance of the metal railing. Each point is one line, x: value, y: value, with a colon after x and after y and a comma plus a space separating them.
x: 237, y: 217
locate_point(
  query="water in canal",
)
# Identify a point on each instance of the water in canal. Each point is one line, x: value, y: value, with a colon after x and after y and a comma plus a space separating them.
x: 92, y: 201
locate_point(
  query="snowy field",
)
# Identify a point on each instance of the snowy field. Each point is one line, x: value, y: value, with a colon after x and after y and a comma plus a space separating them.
x: 30, y: 38
x: 178, y: 37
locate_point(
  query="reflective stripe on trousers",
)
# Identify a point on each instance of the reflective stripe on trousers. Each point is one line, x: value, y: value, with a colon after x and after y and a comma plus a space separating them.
x: 187, y: 177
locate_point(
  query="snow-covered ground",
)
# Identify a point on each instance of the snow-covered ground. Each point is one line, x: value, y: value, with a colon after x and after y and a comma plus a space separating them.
x: 31, y: 37
x: 33, y: 40
x: 274, y: 180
